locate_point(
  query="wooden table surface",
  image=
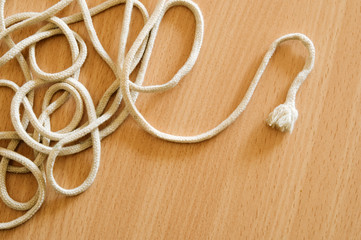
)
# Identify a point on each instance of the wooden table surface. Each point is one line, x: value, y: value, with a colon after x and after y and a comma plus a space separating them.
x: 249, y: 182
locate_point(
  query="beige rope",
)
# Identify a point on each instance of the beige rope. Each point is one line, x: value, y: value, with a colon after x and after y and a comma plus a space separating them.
x: 67, y: 139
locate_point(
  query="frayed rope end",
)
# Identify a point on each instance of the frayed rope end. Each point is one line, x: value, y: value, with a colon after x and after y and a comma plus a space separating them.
x: 283, y: 117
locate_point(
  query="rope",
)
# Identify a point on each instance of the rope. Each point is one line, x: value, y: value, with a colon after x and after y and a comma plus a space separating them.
x: 76, y: 137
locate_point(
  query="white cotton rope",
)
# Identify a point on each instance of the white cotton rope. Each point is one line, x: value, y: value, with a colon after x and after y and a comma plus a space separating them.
x: 75, y: 137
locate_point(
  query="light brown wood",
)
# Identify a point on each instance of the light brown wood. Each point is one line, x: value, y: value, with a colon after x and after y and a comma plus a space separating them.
x: 250, y: 182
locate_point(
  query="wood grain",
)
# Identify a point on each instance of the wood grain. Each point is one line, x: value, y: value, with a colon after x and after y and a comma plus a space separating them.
x: 250, y: 182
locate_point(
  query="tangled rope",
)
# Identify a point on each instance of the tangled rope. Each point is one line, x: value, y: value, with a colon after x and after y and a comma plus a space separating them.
x: 69, y: 140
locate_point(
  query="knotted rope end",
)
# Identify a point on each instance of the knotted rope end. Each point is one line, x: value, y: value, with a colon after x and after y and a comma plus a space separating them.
x: 283, y: 117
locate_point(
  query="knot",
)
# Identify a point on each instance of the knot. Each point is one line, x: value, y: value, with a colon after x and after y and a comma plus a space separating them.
x: 283, y: 117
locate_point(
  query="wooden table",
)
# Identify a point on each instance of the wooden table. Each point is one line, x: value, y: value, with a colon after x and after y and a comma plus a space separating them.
x: 251, y: 181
